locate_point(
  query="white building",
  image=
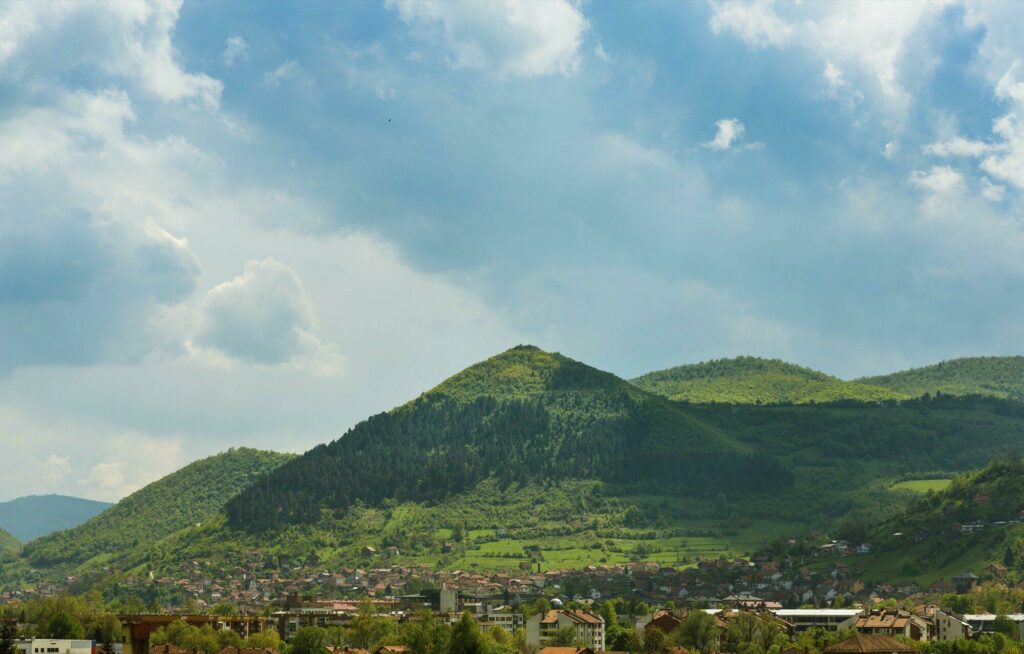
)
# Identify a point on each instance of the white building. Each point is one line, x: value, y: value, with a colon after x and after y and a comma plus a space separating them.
x: 587, y: 627
x: 54, y: 646
x: 827, y: 619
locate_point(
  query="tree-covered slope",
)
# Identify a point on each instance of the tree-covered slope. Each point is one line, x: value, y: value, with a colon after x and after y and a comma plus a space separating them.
x: 186, y: 497
x: 995, y: 376
x: 524, y: 416
x: 971, y: 524
x: 9, y: 545
x: 32, y: 516
x: 750, y: 380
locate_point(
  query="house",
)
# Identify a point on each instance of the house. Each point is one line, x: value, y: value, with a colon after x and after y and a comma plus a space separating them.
x: 588, y: 627
x: 565, y: 650
x: 391, y: 649
x: 870, y: 644
x: 893, y: 622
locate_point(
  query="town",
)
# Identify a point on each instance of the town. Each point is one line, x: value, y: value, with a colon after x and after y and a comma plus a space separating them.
x: 717, y: 605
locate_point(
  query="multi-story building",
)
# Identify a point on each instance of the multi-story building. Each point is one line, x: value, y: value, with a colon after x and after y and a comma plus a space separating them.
x: 587, y: 627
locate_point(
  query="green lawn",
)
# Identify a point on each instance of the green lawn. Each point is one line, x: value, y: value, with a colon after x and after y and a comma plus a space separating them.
x: 922, y: 485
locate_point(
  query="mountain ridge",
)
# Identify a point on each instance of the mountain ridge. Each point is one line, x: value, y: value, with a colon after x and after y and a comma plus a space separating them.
x: 754, y: 380
x: 31, y: 516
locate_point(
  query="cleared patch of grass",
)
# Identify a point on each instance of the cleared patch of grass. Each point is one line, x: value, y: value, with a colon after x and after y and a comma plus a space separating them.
x: 922, y: 485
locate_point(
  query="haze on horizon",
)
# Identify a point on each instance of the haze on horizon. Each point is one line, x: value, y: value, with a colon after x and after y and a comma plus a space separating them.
x: 228, y: 224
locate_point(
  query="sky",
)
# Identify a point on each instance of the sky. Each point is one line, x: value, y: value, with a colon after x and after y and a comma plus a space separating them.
x: 255, y: 224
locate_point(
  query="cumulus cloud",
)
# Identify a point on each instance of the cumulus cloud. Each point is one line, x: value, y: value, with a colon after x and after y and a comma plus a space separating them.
x: 755, y: 23
x: 938, y: 179
x: 871, y: 37
x: 1003, y: 156
x: 264, y: 316
x: 993, y: 192
x: 729, y: 134
x: 235, y: 50
x: 67, y: 34
x: 80, y: 288
x: 511, y: 37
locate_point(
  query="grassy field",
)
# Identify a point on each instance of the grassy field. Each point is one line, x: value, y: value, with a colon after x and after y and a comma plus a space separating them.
x: 584, y: 549
x: 922, y: 485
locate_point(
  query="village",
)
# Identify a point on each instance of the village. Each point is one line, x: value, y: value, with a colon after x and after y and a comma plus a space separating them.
x: 815, y: 592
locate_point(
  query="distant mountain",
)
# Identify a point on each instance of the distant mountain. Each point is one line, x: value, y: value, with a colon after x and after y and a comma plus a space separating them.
x: 32, y: 516
x: 750, y: 380
x: 9, y: 545
x: 186, y: 497
x: 994, y: 376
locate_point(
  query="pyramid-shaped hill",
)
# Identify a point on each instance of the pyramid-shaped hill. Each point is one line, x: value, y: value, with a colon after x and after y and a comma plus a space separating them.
x: 524, y: 416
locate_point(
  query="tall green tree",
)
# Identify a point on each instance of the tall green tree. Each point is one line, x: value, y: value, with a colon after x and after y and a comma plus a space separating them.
x: 466, y: 637
x: 309, y: 640
x: 64, y: 625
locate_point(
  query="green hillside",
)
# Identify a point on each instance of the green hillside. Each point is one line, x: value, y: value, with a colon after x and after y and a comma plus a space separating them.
x: 750, y: 380
x: 995, y: 376
x: 926, y: 543
x: 32, y: 516
x: 9, y: 545
x: 533, y: 456
x: 186, y: 497
x: 533, y: 450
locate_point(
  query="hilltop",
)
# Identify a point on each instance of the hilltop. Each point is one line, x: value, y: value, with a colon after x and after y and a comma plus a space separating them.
x: 751, y: 380
x: 32, y: 516
x: 993, y: 376
x: 189, y: 496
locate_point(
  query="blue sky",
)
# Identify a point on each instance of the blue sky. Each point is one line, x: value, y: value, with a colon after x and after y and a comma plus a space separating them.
x: 255, y: 224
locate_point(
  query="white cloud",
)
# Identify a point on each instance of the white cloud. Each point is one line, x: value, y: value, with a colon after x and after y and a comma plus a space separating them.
x: 58, y: 467
x: 938, y: 179
x: 958, y: 147
x: 1003, y: 157
x: 285, y: 71
x: 755, y: 23
x: 126, y: 39
x: 235, y: 50
x: 993, y: 192
x: 511, y: 37
x: 265, y: 317
x: 890, y: 149
x: 871, y: 37
x: 729, y: 131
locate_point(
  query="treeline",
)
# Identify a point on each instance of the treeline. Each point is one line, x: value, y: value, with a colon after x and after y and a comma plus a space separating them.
x: 438, y: 447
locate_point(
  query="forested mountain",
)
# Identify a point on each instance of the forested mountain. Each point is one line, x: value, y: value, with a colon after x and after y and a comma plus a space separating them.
x: 186, y: 497
x: 32, y: 516
x: 9, y: 545
x: 529, y: 426
x: 995, y: 376
x: 750, y: 380
x: 531, y: 455
x: 525, y: 416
